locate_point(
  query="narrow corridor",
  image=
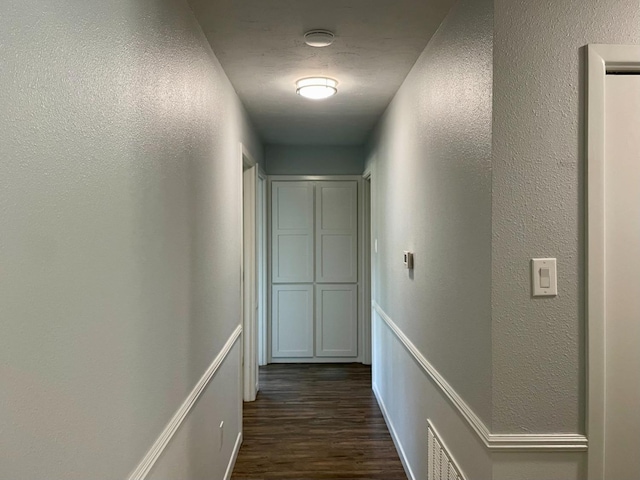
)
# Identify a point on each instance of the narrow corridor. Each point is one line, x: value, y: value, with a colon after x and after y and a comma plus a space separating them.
x: 314, y: 422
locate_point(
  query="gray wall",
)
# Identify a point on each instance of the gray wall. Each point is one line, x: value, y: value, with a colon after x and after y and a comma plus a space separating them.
x: 431, y: 161
x: 119, y: 201
x: 314, y: 160
x: 529, y: 169
x: 538, y: 204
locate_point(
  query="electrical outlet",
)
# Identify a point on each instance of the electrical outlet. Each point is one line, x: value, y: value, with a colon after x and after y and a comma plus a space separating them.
x: 221, y: 435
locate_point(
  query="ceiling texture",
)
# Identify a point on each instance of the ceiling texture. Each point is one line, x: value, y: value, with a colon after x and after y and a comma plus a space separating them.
x: 260, y: 44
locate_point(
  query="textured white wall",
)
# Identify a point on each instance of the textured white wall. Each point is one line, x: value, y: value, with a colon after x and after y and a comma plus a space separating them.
x: 432, y: 195
x: 410, y: 398
x: 119, y: 251
x: 195, y: 452
x: 539, y: 466
x: 538, y: 204
x: 314, y: 160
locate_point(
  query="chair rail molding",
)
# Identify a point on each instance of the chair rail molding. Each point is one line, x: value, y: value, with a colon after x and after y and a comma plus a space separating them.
x: 154, y: 453
x: 492, y: 441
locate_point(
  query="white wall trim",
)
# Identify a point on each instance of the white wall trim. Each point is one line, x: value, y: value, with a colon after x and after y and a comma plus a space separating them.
x: 365, y: 268
x: 600, y: 60
x: 313, y: 178
x: 494, y: 442
x: 394, y: 436
x: 147, y: 463
x: 249, y: 271
x: 234, y: 457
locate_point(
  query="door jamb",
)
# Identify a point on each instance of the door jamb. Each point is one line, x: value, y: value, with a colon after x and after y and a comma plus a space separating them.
x: 263, y: 353
x: 601, y: 59
x: 366, y: 257
x: 248, y: 277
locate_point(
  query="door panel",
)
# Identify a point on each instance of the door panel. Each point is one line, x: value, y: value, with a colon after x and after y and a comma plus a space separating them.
x: 292, y: 232
x: 292, y: 321
x: 292, y: 250
x: 292, y: 201
x: 622, y: 282
x: 337, y: 232
x: 338, y: 205
x: 336, y: 321
x: 336, y: 252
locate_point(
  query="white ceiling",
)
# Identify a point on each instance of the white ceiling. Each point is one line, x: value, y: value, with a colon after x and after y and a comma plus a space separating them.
x: 261, y: 47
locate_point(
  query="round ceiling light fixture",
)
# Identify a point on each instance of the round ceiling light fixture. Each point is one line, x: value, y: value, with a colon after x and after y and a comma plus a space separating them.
x: 319, y: 38
x: 316, y: 88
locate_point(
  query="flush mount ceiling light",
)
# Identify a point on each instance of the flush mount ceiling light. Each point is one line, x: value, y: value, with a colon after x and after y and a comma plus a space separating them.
x: 316, y: 88
x: 319, y: 38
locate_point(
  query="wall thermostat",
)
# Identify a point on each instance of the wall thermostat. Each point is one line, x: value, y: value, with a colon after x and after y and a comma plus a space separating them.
x: 408, y: 260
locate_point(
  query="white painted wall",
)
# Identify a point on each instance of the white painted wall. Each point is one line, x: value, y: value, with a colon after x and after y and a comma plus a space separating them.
x: 432, y: 189
x: 314, y: 160
x: 198, y: 450
x: 119, y: 201
x: 497, y: 195
x: 431, y: 164
x: 539, y: 466
x: 408, y: 398
x: 538, y: 204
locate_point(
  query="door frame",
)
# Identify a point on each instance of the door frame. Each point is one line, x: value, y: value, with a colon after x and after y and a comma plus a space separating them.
x: 367, y: 280
x: 249, y: 273
x: 364, y: 343
x: 262, y: 235
x: 601, y: 59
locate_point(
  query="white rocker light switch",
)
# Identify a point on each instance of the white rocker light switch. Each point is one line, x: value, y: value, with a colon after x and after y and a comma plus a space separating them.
x: 544, y: 277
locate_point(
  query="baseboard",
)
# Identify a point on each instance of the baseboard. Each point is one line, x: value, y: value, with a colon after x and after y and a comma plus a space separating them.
x: 394, y: 435
x: 234, y: 457
x: 494, y: 442
x: 154, y: 453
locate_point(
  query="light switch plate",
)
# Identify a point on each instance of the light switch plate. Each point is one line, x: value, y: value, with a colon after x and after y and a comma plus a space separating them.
x: 544, y: 277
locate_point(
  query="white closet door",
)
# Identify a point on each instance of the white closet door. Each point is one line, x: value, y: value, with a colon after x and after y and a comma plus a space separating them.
x: 292, y: 232
x: 337, y: 232
x: 292, y: 321
x: 336, y: 320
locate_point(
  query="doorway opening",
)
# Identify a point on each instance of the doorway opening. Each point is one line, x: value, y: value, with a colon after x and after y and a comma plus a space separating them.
x: 319, y: 309
x: 613, y: 236
x: 253, y: 272
x: 257, y: 270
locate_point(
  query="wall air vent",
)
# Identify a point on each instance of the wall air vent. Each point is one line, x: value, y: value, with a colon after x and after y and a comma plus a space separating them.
x: 441, y: 465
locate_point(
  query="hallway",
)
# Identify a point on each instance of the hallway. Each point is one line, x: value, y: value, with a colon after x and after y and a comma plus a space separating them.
x: 316, y: 422
x: 139, y: 145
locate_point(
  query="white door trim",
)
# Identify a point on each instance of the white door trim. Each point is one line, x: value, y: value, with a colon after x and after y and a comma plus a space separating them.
x: 313, y: 178
x: 248, y: 274
x: 262, y: 268
x: 366, y: 269
x: 601, y: 59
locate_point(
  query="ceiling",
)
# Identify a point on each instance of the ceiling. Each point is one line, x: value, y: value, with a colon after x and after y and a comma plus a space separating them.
x: 260, y: 44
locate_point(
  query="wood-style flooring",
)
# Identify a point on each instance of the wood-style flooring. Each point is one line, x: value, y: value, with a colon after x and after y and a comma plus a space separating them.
x: 313, y: 422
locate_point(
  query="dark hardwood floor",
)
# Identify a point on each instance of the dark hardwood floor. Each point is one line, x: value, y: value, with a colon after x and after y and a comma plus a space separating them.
x: 313, y: 422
